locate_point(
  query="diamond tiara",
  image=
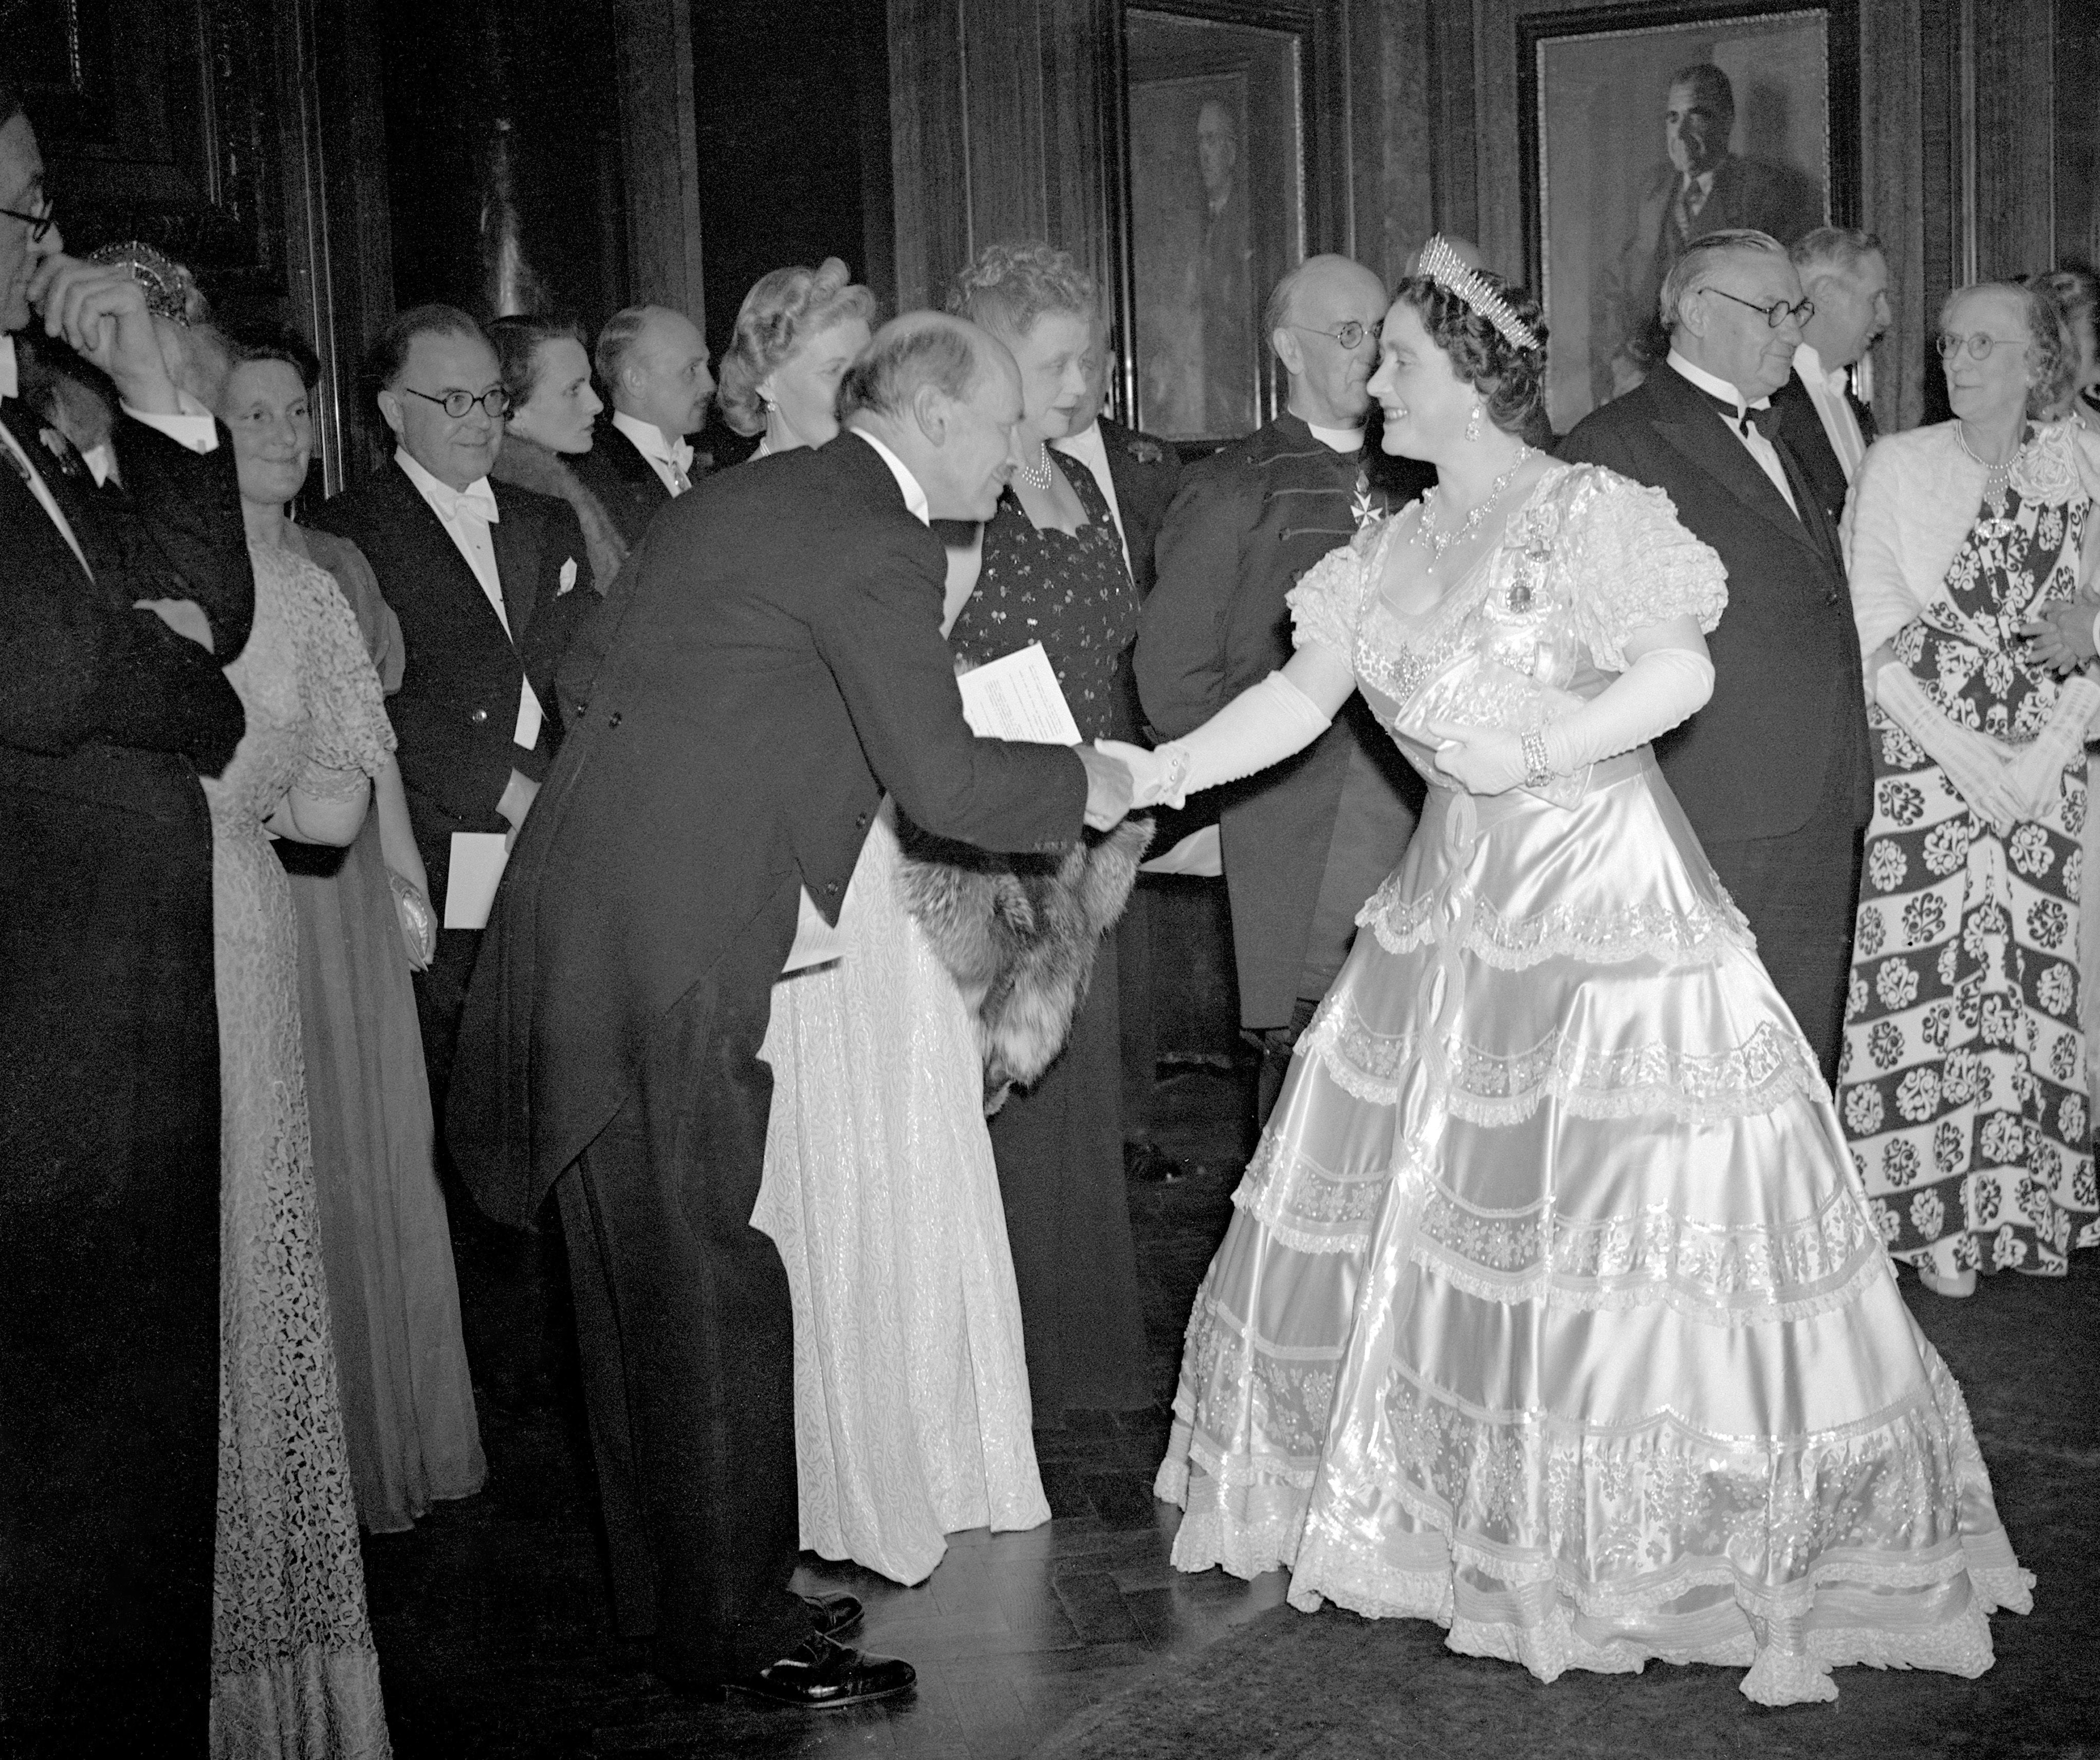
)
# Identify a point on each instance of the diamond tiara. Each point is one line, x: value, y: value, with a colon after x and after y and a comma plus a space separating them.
x: 1449, y: 270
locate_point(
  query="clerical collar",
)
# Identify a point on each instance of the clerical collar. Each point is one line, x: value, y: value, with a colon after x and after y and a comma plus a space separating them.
x: 1337, y: 439
x: 1714, y: 385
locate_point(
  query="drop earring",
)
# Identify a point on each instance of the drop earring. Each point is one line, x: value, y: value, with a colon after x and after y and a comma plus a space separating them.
x: 1473, y: 424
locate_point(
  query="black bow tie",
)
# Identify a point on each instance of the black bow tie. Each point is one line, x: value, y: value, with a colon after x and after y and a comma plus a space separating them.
x: 1766, y: 419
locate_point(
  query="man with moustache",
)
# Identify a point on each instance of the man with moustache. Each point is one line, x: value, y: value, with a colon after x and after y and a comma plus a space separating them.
x: 119, y: 610
x: 1774, y: 772
x: 1846, y: 275
x: 1304, y: 843
x: 774, y: 664
x: 653, y: 363
x: 490, y: 582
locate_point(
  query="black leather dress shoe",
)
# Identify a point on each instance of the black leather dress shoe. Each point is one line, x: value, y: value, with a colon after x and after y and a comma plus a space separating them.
x: 817, y: 1674
x: 833, y: 1616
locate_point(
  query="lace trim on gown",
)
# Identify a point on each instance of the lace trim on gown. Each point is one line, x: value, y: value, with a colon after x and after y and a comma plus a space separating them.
x: 1610, y: 936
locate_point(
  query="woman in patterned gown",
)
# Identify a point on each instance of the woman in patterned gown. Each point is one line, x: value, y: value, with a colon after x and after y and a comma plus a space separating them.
x: 1508, y: 1328
x: 365, y: 922
x: 911, y: 1390
x: 1962, y: 1084
x: 1051, y: 569
x: 294, y: 1669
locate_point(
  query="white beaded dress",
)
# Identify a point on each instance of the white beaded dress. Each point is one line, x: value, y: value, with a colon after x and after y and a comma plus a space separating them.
x: 1552, y: 1309
x: 912, y: 1405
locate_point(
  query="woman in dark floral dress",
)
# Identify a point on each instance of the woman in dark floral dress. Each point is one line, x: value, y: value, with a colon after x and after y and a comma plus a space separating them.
x: 1053, y: 572
x: 1962, y: 1085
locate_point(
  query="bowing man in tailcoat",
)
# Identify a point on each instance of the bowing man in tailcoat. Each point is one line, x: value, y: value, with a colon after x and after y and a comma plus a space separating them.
x: 1774, y: 772
x: 1304, y: 843
x: 775, y: 663
x: 118, y: 610
x: 490, y: 583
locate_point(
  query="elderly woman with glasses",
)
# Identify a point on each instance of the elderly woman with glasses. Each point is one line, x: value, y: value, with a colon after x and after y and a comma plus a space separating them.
x: 1963, y: 1085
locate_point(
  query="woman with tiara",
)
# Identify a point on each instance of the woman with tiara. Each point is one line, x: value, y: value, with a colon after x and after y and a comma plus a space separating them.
x: 1511, y: 1326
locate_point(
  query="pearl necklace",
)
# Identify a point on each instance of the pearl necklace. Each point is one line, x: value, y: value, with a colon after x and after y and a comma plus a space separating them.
x: 1997, y: 479
x: 1037, y: 475
x: 1438, y: 542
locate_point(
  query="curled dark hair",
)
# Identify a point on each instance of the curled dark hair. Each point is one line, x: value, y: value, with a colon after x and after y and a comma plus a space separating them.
x: 245, y: 345
x: 1510, y: 378
x: 518, y: 341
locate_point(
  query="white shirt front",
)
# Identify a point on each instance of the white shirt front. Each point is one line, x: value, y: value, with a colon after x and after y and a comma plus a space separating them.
x: 194, y: 428
x: 466, y: 514
x: 1092, y: 450
x: 1826, y: 390
x: 1755, y: 441
x: 674, y: 465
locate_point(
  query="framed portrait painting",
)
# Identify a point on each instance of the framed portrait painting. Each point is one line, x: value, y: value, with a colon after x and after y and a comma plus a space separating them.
x: 1646, y: 125
x: 1216, y: 214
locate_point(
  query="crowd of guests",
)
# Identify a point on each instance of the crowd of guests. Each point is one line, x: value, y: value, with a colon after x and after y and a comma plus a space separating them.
x: 819, y: 1032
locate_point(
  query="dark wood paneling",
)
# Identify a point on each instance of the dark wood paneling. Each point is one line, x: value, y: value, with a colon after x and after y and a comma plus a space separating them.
x: 2078, y: 132
x: 2015, y: 208
x: 929, y: 148
x: 659, y: 161
x: 1393, y: 189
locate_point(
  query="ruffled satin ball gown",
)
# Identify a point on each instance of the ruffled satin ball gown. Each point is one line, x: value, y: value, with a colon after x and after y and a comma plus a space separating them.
x: 1552, y: 1309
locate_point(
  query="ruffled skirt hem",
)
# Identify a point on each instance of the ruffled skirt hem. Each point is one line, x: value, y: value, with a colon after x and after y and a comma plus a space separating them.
x: 322, y: 1703
x: 1539, y: 1626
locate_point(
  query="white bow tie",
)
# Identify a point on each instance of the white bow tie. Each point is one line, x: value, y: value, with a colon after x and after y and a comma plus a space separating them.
x: 477, y: 500
x: 681, y: 457
x: 1837, y: 381
x: 10, y: 387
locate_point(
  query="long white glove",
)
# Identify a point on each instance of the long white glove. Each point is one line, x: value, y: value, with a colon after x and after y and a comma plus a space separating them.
x: 1974, y: 761
x: 1660, y: 688
x: 2038, y: 773
x: 1264, y: 725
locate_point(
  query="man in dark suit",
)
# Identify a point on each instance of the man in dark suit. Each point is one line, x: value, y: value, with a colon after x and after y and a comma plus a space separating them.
x: 1304, y: 843
x: 1774, y: 772
x: 490, y: 582
x: 1221, y: 277
x: 1844, y: 274
x: 776, y: 663
x: 653, y: 363
x: 1703, y: 188
x: 117, y: 612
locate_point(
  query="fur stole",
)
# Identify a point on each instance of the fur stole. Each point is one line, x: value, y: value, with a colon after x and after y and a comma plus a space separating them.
x: 1018, y: 934
x: 529, y: 465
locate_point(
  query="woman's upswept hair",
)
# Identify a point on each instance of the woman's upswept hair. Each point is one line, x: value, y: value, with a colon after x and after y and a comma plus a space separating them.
x: 518, y: 339
x: 1510, y: 378
x: 1009, y: 288
x: 2052, y: 356
x: 783, y: 311
x: 246, y: 346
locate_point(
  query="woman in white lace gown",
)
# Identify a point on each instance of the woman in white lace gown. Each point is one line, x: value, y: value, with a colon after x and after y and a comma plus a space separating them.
x: 912, y: 1408
x: 294, y: 1674
x: 1553, y: 1309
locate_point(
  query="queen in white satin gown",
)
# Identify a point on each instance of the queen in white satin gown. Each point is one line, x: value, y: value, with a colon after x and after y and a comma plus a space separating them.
x: 1552, y: 1309
x: 911, y: 1407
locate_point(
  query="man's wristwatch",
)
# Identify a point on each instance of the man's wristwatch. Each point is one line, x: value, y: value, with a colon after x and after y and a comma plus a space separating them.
x: 1537, y: 770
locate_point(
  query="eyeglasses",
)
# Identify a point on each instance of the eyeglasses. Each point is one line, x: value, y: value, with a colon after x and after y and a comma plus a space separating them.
x: 1776, y: 313
x: 1979, y: 344
x: 1350, y: 334
x: 40, y: 225
x: 496, y: 400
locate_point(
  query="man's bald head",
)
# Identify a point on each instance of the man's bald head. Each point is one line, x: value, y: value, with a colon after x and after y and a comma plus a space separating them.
x: 943, y: 394
x: 1323, y: 300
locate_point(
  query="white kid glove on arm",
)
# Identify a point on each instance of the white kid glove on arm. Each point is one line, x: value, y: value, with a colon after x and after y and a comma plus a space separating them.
x: 1661, y: 688
x: 2037, y: 772
x: 1264, y: 725
x: 1973, y: 760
